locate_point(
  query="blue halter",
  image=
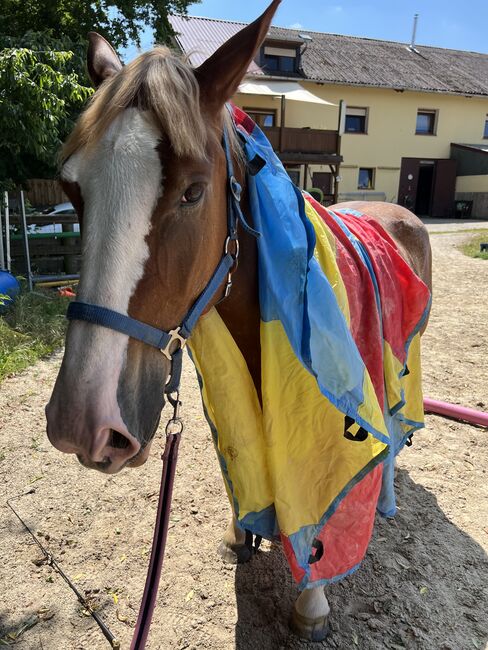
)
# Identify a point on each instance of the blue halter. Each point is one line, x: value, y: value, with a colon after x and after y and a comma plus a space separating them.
x: 171, y: 343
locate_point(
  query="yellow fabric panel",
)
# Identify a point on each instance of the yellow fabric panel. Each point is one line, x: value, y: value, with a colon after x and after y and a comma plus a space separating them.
x: 325, y: 253
x: 412, y: 384
x: 233, y: 407
x: 308, y: 469
x: 408, y: 387
x: 392, y: 368
x: 370, y: 409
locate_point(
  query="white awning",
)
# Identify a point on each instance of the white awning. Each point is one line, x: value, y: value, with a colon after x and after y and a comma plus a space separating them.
x: 290, y: 89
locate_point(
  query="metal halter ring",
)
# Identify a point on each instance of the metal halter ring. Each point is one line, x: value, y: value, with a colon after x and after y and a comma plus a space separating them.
x: 174, y: 427
x: 228, y: 241
x: 175, y: 336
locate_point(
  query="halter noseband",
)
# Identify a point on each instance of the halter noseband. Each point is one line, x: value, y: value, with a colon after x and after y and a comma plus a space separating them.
x: 171, y: 343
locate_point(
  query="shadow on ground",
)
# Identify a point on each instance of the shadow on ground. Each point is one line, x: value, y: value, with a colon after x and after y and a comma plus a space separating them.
x: 422, y: 585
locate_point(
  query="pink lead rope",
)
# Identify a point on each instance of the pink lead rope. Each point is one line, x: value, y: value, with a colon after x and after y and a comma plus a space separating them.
x: 174, y: 429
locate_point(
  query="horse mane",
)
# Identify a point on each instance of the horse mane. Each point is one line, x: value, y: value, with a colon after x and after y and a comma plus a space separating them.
x: 157, y: 81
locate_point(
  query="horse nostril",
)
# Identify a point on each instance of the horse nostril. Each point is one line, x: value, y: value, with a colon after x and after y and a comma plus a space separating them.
x: 117, y: 440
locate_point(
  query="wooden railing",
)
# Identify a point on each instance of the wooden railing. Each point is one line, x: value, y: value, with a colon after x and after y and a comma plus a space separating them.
x: 303, y: 140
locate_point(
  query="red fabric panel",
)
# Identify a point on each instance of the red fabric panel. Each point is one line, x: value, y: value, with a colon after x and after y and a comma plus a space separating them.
x: 347, y: 533
x: 296, y: 570
x: 404, y: 296
x: 242, y: 119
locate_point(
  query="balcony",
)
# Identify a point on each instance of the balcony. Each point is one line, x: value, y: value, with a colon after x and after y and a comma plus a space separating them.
x: 304, y: 145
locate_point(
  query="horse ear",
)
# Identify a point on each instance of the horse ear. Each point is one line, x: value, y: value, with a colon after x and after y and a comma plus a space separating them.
x: 220, y: 75
x: 101, y: 59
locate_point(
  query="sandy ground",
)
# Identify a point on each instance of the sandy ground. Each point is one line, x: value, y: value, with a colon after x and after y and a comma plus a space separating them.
x: 423, y: 584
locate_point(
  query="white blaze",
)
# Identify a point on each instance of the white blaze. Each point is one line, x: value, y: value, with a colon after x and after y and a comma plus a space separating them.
x: 120, y: 181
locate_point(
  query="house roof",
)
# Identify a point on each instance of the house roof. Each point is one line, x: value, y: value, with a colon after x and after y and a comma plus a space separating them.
x: 474, y: 148
x: 351, y: 60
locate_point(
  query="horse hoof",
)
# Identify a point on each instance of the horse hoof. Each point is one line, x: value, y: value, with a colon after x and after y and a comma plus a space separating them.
x: 312, y: 629
x: 235, y: 554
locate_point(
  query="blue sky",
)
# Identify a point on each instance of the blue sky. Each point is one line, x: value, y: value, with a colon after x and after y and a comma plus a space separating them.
x: 443, y: 23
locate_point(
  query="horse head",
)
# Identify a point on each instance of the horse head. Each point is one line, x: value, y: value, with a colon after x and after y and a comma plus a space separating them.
x: 146, y: 172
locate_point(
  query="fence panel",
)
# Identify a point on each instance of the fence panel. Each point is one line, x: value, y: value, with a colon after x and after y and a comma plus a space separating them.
x: 43, y: 192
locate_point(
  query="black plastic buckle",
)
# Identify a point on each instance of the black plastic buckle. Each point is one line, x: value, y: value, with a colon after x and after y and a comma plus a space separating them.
x: 319, y: 551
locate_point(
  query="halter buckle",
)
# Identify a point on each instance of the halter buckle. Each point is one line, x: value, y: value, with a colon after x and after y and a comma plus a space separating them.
x: 174, y: 336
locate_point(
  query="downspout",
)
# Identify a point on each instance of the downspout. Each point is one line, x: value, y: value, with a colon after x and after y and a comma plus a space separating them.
x: 340, y: 131
x: 282, y: 122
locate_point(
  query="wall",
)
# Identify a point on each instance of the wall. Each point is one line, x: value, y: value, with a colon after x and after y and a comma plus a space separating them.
x: 472, y: 184
x: 391, y: 128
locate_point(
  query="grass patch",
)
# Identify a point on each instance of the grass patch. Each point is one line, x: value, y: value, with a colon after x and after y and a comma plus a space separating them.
x: 455, y: 232
x: 31, y: 329
x: 472, y: 247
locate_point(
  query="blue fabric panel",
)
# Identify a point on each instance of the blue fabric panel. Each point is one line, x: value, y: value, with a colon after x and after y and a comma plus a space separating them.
x: 262, y: 523
x: 288, y: 272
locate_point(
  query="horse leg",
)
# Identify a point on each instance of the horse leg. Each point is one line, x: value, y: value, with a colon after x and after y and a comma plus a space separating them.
x: 232, y: 547
x: 310, y: 615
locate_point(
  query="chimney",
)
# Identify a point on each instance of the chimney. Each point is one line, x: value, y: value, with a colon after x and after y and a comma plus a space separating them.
x: 414, y: 32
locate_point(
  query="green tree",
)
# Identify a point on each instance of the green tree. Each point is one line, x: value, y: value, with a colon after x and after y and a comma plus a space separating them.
x: 40, y: 96
x: 120, y: 21
x: 43, y: 82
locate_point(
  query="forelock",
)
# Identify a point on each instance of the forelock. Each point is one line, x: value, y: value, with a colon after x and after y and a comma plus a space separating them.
x: 159, y: 82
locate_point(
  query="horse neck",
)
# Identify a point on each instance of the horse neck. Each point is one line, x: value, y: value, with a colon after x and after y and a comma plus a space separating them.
x: 240, y: 311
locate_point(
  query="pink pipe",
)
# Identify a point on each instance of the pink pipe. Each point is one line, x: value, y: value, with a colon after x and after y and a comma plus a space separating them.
x: 455, y: 411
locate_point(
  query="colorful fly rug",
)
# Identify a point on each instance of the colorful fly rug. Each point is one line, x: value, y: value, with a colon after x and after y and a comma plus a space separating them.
x: 341, y: 390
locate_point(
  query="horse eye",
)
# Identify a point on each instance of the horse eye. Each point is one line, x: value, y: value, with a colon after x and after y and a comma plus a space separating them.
x: 193, y: 194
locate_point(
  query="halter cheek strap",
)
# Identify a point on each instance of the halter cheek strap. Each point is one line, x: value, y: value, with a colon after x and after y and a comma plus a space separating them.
x: 172, y: 343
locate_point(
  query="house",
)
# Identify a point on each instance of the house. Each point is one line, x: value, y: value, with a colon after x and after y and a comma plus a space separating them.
x: 362, y: 118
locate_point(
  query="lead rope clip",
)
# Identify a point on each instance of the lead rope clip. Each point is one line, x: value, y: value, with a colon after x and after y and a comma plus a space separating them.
x: 175, y: 424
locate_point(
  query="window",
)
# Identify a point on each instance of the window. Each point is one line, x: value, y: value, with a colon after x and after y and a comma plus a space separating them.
x: 279, y: 59
x: 356, y: 120
x: 366, y: 178
x: 426, y: 122
x: 485, y: 132
x: 262, y: 116
x: 274, y: 63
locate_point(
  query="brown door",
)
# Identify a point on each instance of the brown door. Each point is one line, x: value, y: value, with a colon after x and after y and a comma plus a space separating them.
x: 323, y: 180
x: 444, y: 188
x: 409, y: 178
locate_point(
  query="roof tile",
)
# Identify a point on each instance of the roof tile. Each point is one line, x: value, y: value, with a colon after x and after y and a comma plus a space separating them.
x: 351, y: 60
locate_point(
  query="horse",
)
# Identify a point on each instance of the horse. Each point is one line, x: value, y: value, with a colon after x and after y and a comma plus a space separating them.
x: 148, y: 176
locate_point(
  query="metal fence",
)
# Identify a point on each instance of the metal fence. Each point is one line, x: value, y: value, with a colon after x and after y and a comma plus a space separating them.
x: 40, y: 247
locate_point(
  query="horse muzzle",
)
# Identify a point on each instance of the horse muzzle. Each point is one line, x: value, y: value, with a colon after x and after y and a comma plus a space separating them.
x: 107, y: 401
x: 105, y: 446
